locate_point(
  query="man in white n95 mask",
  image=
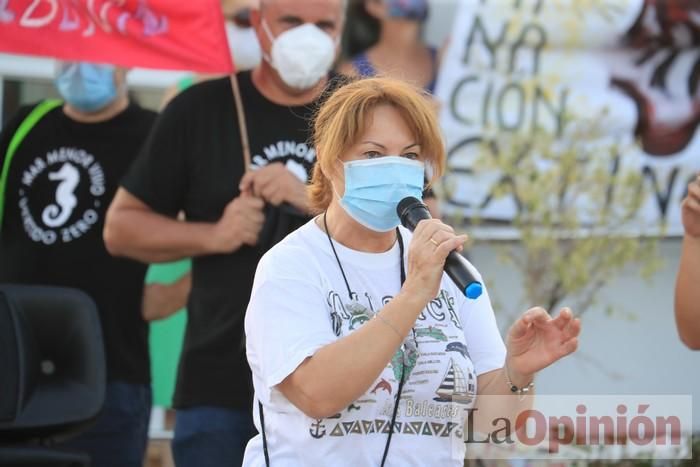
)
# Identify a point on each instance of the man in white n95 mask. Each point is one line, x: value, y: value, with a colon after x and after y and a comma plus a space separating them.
x: 193, y: 163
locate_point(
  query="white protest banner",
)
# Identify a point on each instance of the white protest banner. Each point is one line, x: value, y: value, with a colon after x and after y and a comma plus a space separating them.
x: 631, y: 67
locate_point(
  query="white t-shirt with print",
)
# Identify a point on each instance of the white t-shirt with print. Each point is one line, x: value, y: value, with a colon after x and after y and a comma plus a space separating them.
x: 299, y: 304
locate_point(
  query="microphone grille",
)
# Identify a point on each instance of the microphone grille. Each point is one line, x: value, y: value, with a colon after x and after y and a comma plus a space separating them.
x: 406, y: 204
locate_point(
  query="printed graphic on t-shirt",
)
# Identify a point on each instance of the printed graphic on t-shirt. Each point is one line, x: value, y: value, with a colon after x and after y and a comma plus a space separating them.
x: 74, y: 182
x: 326, y: 427
x: 439, y: 376
x: 297, y: 157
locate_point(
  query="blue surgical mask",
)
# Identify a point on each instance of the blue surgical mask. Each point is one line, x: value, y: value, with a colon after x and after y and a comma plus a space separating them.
x: 86, y: 86
x: 374, y: 187
x: 416, y: 10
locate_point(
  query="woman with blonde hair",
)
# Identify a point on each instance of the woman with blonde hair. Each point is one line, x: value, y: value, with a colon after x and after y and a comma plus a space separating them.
x: 351, y: 313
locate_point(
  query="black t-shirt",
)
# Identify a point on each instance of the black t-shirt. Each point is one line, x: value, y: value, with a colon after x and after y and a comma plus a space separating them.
x: 61, y: 181
x: 193, y: 162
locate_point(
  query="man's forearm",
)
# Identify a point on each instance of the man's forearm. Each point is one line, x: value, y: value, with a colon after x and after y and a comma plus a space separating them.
x: 153, y: 238
x: 162, y: 300
x: 687, y: 301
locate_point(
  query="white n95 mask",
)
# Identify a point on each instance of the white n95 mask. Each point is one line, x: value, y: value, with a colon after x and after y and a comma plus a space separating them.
x: 302, y: 55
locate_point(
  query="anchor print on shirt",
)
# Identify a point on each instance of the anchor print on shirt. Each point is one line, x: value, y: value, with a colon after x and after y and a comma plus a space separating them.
x: 55, y: 215
x: 318, y: 429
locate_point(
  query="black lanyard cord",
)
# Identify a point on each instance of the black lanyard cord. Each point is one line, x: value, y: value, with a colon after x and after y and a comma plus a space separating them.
x: 403, y: 368
x: 335, y: 253
x: 393, y: 415
x: 262, y: 428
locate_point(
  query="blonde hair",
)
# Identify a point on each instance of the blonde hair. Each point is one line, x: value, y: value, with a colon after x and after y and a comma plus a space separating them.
x: 345, y: 115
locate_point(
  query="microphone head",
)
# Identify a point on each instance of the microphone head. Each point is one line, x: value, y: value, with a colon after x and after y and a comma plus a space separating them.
x: 474, y: 290
x: 410, y: 211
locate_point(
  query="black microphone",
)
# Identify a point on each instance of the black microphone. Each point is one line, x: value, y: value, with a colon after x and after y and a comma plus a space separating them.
x: 411, y: 211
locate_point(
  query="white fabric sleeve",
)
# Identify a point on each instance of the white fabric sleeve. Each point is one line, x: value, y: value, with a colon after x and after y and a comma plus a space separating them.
x: 486, y: 347
x: 286, y: 322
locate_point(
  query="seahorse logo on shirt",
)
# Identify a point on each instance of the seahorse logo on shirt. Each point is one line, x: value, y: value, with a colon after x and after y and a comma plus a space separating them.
x: 55, y: 215
x: 60, y: 195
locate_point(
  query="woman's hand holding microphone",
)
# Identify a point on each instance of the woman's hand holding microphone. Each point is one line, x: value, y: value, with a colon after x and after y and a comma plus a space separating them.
x: 431, y: 243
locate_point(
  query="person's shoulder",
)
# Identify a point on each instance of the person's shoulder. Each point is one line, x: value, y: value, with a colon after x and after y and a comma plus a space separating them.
x: 24, y: 111
x: 221, y: 87
x: 201, y: 94
x: 147, y: 116
x: 142, y: 111
x: 293, y: 256
x: 291, y: 249
x: 14, y: 122
x: 335, y: 81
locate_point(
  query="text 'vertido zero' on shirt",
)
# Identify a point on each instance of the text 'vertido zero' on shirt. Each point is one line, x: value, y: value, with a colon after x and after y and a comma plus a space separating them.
x: 66, y: 217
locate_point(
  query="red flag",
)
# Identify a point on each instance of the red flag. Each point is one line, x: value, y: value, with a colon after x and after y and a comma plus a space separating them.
x: 161, y: 34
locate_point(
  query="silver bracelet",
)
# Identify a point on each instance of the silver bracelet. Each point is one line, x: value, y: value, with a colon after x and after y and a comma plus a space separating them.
x: 385, y: 321
x: 515, y: 389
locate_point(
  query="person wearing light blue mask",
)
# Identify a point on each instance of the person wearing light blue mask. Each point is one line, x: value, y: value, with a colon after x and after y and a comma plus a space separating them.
x: 77, y: 149
x: 340, y: 323
x: 91, y: 91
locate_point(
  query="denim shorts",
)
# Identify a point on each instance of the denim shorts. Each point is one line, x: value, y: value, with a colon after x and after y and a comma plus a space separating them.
x: 119, y: 435
x: 211, y: 436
